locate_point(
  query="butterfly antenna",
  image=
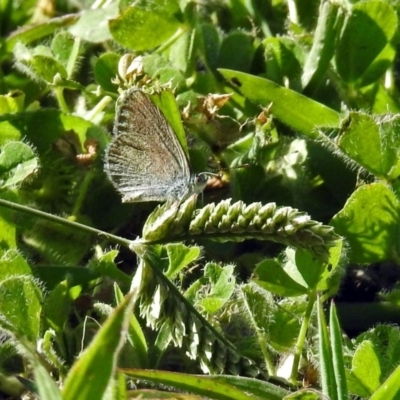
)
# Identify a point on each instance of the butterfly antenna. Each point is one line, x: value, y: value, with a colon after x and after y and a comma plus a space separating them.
x: 235, y: 167
x: 228, y: 169
x: 209, y: 174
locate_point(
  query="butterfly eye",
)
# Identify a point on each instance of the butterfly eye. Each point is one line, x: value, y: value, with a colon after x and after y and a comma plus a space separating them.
x: 201, y: 179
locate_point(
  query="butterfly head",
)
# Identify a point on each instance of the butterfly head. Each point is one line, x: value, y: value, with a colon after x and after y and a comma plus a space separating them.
x: 198, y: 182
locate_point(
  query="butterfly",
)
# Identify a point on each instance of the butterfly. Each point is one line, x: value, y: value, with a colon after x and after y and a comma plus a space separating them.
x: 145, y: 160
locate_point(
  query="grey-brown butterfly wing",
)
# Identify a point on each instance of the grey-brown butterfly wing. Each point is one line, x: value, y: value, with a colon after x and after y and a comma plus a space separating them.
x: 145, y: 161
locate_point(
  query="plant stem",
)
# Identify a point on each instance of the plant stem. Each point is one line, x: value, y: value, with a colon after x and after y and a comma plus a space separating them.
x: 72, y: 60
x: 266, y: 353
x: 92, y: 114
x: 170, y: 41
x: 302, y: 336
x: 64, y: 221
x: 59, y: 91
x: 82, y: 193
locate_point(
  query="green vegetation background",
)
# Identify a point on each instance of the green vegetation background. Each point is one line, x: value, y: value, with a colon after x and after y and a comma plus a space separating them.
x: 100, y: 298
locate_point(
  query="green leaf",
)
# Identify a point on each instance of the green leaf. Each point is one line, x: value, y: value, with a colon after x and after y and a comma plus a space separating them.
x: 166, y: 102
x: 207, y: 386
x: 93, y: 23
x: 164, y: 338
x: 337, y: 353
x: 295, y: 110
x: 369, y: 221
x: 286, y: 324
x: 43, y: 127
x: 256, y: 387
x: 58, y: 304
x: 143, y: 27
x: 105, y: 265
x: 236, y: 52
x: 275, y: 324
x: 92, y: 373
x: 12, y: 102
x: 17, y: 162
x: 390, y: 389
x: 328, y: 379
x: 66, y: 47
x: 182, y: 54
x: 21, y: 305
x: 270, y: 275
x: 51, y: 275
x: 359, y: 139
x: 210, y: 43
x: 12, y: 263
x: 365, y: 370
x: 62, y: 45
x: 158, y: 67
x: 299, y: 273
x: 180, y: 256
x: 305, y: 394
x: 214, y: 289
x: 386, y: 342
x: 105, y: 70
x: 306, y: 269
x: 48, y: 239
x: 331, y: 279
x: 221, y: 284
x: 7, y: 236
x: 46, y: 386
x: 383, y: 101
x: 137, y: 354
x: 282, y: 56
x: 36, y: 32
x: 389, y: 132
x: 152, y: 63
x: 372, y: 142
x: 45, y: 68
x: 323, y: 48
x: 363, y: 52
